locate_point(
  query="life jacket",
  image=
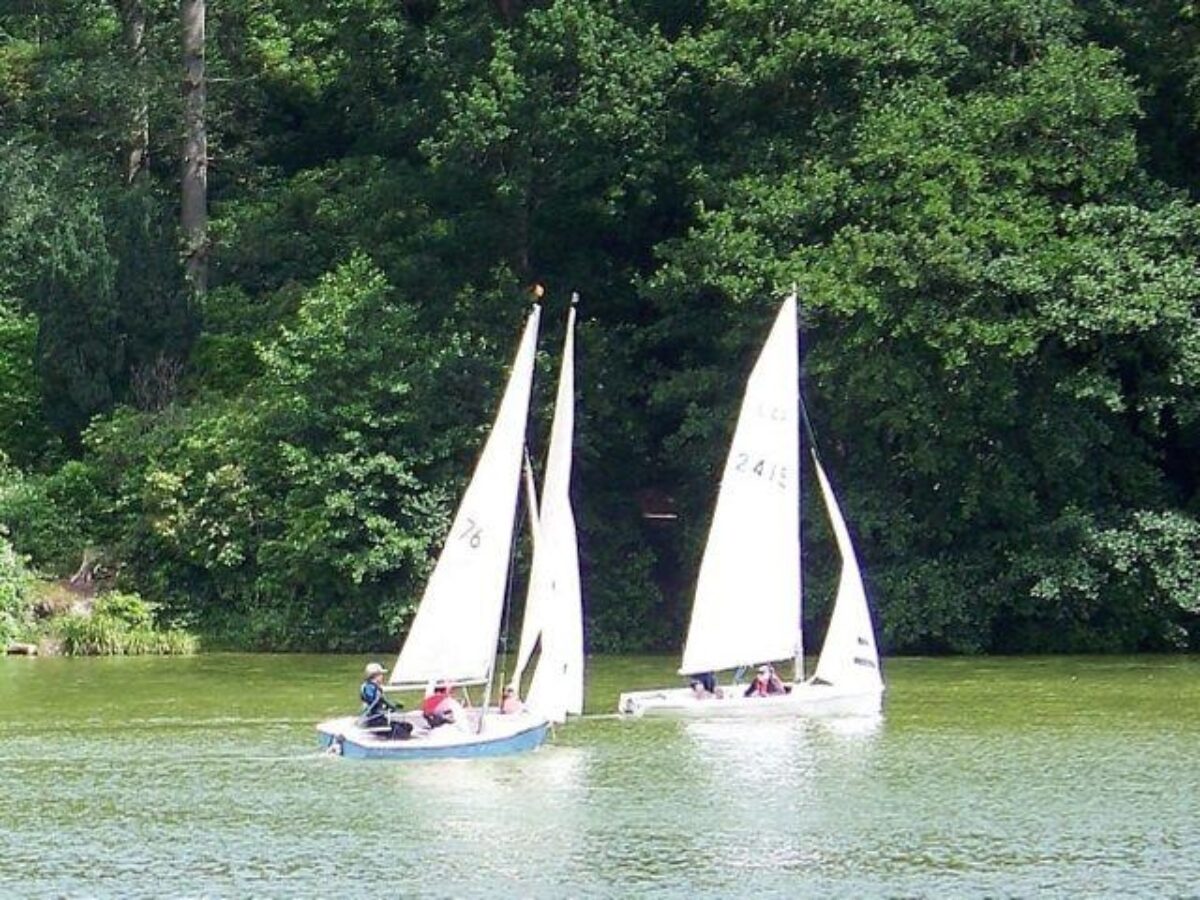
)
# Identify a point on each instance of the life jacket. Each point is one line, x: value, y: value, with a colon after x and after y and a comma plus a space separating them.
x: 430, y: 704
x: 372, y: 697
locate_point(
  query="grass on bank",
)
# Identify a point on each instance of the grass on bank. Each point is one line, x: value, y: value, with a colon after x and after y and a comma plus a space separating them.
x: 119, y: 624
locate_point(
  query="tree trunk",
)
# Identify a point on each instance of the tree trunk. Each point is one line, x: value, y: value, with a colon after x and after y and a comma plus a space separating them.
x: 194, y: 212
x: 137, y: 148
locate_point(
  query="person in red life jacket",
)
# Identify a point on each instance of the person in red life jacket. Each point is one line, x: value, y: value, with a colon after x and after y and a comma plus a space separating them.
x: 765, y: 684
x: 439, y: 706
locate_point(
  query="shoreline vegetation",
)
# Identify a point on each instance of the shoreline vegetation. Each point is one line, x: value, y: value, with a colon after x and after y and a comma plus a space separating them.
x: 261, y: 265
x: 61, y: 617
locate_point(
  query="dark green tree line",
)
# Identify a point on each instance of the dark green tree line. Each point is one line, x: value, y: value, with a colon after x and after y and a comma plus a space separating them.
x: 987, y: 209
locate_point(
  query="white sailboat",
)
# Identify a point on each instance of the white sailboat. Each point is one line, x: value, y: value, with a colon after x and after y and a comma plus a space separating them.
x: 454, y: 634
x: 747, y: 604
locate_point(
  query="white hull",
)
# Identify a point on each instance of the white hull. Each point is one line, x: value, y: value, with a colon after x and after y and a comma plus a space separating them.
x: 805, y: 699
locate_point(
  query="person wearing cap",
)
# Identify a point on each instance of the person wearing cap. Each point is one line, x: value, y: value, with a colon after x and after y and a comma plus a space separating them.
x: 765, y: 683
x: 375, y: 706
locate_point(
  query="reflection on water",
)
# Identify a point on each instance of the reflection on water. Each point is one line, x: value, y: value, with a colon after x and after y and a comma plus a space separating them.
x: 983, y: 778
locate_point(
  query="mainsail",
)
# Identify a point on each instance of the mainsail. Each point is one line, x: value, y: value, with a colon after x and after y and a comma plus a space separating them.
x: 454, y: 633
x: 747, y: 604
x: 553, y: 610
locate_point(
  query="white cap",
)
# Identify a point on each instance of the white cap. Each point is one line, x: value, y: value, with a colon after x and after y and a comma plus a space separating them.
x: 375, y: 669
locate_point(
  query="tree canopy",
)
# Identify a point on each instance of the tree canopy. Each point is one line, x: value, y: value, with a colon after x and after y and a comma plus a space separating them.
x: 988, y: 210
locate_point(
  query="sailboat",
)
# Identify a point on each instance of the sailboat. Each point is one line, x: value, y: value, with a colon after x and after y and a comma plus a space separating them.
x: 453, y: 638
x: 747, y: 605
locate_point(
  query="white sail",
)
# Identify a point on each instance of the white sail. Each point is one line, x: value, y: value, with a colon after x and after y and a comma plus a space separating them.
x: 849, y: 658
x: 454, y: 633
x: 557, y: 686
x: 747, y: 604
x: 531, y: 621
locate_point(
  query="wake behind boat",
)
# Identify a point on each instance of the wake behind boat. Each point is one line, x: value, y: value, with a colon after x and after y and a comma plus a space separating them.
x: 453, y: 639
x: 747, y: 607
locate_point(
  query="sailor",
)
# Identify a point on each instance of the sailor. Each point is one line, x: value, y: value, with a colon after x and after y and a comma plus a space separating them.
x: 376, y: 711
x: 704, y: 685
x: 510, y: 703
x: 439, y: 706
x: 765, y: 683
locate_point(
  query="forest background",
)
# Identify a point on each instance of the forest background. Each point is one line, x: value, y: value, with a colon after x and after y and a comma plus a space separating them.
x: 260, y: 281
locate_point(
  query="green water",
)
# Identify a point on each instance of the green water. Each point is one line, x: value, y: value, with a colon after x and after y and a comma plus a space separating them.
x: 984, y: 778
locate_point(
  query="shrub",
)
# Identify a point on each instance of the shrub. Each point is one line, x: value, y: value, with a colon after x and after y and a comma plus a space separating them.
x: 14, y: 594
x: 48, y: 516
x: 121, y: 624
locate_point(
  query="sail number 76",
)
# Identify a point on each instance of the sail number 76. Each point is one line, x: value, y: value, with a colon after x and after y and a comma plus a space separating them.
x: 472, y: 534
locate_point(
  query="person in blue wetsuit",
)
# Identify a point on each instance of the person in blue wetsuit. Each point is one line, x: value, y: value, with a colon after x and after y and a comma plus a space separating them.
x: 704, y: 685
x: 377, y: 710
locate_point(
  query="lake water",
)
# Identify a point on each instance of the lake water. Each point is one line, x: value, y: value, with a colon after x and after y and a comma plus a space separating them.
x: 984, y: 778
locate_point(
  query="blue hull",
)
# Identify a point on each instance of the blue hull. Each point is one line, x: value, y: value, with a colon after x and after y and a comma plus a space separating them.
x: 529, y: 739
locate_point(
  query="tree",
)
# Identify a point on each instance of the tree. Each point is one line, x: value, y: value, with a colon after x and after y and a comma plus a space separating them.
x: 194, y: 179
x: 137, y: 145
x: 954, y: 202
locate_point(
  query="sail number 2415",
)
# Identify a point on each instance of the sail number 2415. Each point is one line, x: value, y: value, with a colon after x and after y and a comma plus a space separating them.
x: 768, y: 471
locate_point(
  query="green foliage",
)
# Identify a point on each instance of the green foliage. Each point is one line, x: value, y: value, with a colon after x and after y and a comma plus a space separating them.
x: 119, y: 625
x: 23, y: 434
x: 14, y: 594
x: 1129, y: 585
x: 60, y: 267
x: 156, y: 320
x: 976, y: 201
x: 50, y: 517
x: 624, y: 608
x: 1160, y: 43
x: 957, y: 267
x: 292, y: 517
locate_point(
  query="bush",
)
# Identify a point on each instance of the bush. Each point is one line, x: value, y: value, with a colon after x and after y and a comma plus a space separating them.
x: 48, y: 516
x: 121, y: 624
x: 14, y: 594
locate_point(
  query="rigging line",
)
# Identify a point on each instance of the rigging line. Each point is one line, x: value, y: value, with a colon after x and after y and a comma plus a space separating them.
x: 808, y: 427
x: 804, y: 419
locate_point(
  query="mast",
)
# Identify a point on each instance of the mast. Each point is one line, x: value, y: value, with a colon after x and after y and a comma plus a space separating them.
x: 798, y: 661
